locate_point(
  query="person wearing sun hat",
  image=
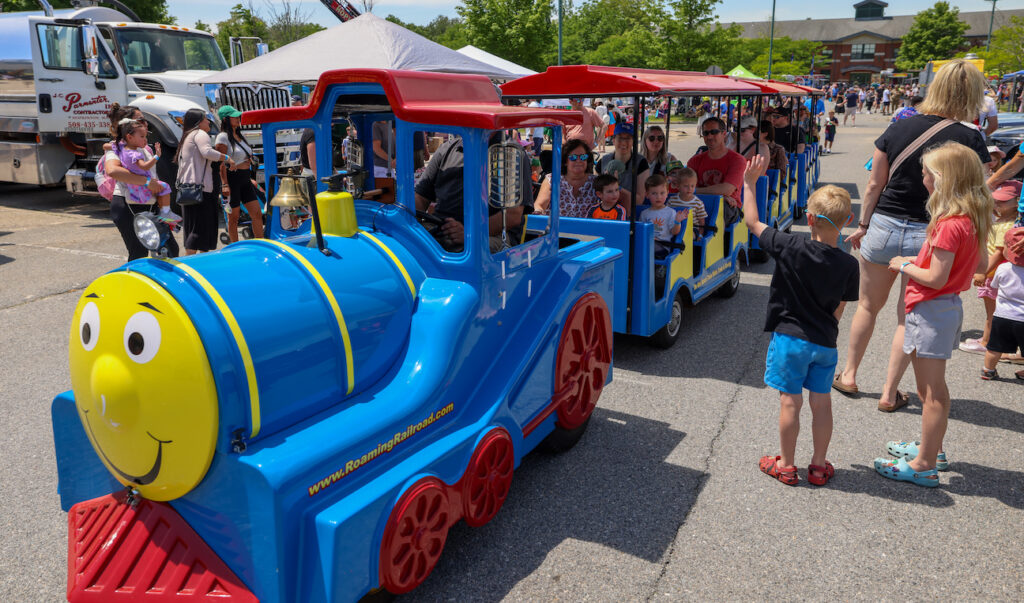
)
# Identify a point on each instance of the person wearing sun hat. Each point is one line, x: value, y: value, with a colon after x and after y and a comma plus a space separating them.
x: 1004, y: 199
x: 1007, y: 335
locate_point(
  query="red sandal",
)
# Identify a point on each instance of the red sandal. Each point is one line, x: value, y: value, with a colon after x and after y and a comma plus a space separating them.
x: 818, y: 475
x: 786, y: 475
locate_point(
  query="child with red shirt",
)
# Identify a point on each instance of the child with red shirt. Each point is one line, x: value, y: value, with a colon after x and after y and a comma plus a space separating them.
x: 961, y: 214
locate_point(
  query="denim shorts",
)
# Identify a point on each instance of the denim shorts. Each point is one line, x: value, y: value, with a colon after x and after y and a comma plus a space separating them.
x: 889, y: 237
x: 933, y: 327
x: 794, y: 364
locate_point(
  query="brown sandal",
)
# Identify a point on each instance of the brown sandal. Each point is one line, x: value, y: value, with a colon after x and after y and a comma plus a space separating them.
x: 786, y: 475
x: 838, y: 385
x: 901, y: 401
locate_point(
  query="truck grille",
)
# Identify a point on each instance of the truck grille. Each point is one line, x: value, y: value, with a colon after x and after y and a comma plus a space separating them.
x: 148, y: 85
x: 250, y: 98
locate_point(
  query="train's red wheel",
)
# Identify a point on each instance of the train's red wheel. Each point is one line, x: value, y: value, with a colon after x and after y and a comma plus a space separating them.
x: 414, y: 536
x: 584, y: 357
x: 488, y: 478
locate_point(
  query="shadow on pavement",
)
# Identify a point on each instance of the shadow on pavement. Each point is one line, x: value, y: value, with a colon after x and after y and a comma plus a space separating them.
x: 976, y: 412
x: 862, y: 479
x: 978, y: 480
x: 614, y: 488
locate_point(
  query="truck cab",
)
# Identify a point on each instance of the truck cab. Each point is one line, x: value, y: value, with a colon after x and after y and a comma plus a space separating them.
x: 60, y: 74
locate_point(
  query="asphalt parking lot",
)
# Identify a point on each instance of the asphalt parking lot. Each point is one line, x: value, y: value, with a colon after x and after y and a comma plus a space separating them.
x: 661, y: 500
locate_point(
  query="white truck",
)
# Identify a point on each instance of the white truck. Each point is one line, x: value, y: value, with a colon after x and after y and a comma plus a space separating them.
x: 61, y: 71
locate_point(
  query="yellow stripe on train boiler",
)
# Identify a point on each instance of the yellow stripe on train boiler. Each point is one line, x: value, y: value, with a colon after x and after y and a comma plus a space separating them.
x: 394, y: 258
x: 236, y: 331
x: 350, y: 369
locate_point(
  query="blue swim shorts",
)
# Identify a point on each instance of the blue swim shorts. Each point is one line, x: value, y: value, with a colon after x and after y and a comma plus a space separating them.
x: 794, y: 364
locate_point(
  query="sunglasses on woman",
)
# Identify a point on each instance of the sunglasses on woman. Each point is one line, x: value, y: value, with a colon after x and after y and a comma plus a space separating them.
x: 578, y: 157
x: 653, y: 138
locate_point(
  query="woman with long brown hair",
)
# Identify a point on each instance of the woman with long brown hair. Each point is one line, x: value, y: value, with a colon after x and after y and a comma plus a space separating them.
x: 194, y: 156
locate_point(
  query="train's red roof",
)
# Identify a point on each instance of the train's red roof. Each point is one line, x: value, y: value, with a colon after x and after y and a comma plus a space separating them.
x: 774, y: 87
x: 591, y: 80
x: 427, y: 98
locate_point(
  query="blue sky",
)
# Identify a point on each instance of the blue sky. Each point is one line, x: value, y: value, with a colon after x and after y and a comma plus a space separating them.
x: 423, y: 11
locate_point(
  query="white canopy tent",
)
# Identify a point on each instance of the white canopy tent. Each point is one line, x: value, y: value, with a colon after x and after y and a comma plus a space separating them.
x: 495, y: 61
x: 367, y: 42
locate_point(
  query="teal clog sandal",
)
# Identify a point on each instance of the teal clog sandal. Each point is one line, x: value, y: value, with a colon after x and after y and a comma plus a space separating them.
x: 901, y: 471
x: 908, y: 450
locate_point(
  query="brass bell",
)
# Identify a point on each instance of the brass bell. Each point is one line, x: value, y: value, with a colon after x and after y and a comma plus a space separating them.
x: 292, y: 191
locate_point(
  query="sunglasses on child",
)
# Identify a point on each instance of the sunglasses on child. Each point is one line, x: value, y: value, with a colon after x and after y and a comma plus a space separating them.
x: 824, y: 217
x: 715, y: 132
x: 578, y: 157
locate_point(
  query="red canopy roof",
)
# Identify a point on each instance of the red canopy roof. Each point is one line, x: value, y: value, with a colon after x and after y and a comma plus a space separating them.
x: 775, y: 87
x: 426, y: 97
x: 590, y: 80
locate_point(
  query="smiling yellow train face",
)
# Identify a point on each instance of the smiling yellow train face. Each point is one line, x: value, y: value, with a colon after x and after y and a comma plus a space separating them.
x: 143, y: 385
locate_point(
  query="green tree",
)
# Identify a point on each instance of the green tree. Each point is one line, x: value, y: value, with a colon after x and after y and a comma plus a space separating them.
x: 693, y: 40
x: 150, y: 11
x: 595, y: 23
x: 447, y: 31
x: 629, y: 49
x: 202, y: 27
x: 1007, y: 48
x: 937, y: 33
x: 288, y: 23
x: 789, y: 56
x: 516, y: 30
x: 242, y: 22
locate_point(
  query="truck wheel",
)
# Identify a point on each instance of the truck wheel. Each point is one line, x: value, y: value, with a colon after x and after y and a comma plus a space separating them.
x: 731, y: 286
x: 667, y: 335
x: 488, y: 478
x: 581, y: 368
x: 414, y: 536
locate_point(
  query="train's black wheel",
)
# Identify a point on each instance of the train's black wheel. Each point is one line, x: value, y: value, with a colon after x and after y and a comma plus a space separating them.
x: 667, y: 335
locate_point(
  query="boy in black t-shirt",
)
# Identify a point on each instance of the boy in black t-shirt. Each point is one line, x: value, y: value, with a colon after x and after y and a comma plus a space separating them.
x: 812, y: 282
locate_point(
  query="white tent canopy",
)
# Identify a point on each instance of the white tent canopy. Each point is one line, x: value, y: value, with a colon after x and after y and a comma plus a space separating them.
x: 367, y: 42
x: 495, y: 61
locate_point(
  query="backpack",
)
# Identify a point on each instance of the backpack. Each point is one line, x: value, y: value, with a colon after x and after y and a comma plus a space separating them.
x: 104, y: 184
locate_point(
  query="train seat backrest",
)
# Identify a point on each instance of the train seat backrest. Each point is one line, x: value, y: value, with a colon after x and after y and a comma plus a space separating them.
x: 712, y: 203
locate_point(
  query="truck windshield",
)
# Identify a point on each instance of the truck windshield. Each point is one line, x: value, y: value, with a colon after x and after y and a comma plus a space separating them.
x: 155, y: 51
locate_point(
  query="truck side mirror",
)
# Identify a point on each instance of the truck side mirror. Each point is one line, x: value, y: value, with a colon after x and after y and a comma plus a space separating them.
x: 262, y: 49
x: 90, y: 51
x: 506, y: 165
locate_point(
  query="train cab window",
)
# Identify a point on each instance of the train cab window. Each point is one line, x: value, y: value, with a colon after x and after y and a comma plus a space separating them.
x: 510, y: 190
x: 383, y: 148
x: 294, y: 153
x: 439, y: 190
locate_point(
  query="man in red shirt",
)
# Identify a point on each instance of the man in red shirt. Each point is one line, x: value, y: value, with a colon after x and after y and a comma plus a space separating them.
x: 719, y: 169
x: 584, y: 131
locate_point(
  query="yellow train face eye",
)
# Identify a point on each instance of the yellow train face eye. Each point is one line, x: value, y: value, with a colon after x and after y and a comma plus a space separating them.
x: 143, y: 385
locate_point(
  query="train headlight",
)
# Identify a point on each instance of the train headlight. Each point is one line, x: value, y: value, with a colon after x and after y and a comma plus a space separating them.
x: 151, y: 231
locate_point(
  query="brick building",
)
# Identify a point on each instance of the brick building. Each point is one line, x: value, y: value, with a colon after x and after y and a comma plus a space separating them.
x: 868, y: 42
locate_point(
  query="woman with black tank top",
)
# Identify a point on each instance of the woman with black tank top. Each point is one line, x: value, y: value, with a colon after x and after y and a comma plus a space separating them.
x: 893, y: 215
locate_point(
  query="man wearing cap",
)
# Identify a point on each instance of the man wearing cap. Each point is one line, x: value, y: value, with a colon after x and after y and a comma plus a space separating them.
x: 787, y: 135
x: 719, y: 169
x: 584, y: 131
x: 623, y: 164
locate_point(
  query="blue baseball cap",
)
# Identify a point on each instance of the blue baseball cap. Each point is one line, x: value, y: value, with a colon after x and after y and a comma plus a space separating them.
x: 624, y: 128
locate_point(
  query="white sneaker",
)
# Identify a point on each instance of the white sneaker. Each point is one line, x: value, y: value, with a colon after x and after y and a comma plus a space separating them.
x: 972, y: 346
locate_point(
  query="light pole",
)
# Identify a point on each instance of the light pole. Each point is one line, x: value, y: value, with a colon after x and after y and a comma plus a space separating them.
x: 991, y: 18
x: 771, y: 41
x: 559, y: 32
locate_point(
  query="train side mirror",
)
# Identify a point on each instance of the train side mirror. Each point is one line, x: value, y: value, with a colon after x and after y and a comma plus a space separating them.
x: 507, y: 166
x: 90, y: 51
